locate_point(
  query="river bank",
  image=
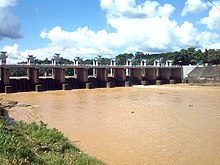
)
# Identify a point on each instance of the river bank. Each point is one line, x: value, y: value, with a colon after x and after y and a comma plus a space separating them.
x: 168, y: 124
x: 34, y: 143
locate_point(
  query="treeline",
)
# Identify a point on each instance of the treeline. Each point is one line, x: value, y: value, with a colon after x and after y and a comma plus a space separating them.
x: 183, y: 57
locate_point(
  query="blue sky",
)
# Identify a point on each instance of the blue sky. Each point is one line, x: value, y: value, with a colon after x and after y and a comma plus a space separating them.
x: 87, y: 28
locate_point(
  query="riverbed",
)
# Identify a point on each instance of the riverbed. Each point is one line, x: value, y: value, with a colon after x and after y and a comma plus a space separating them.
x: 140, y: 125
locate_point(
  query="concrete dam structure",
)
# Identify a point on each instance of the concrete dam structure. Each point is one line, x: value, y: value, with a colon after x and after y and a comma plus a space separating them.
x: 104, y: 76
x: 84, y: 76
x: 206, y: 75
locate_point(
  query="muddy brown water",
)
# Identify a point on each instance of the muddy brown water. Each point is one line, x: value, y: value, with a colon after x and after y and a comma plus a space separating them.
x: 158, y: 125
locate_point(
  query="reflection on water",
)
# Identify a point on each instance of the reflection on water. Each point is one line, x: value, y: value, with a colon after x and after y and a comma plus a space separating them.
x: 154, y: 125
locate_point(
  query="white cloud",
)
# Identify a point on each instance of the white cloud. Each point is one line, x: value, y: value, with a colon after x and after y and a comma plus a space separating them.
x: 189, y: 36
x: 129, y: 9
x: 83, y: 39
x: 213, y: 20
x: 214, y: 46
x: 143, y: 27
x: 166, y: 10
x: 12, y: 53
x: 10, y: 26
x: 6, y: 3
x: 11, y: 49
x: 138, y: 27
x: 194, y: 6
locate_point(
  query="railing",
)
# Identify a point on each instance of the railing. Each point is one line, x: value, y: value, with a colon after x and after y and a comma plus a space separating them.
x: 84, y: 65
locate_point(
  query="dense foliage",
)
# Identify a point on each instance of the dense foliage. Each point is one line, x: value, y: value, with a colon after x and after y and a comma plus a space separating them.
x: 182, y: 57
x: 23, y: 143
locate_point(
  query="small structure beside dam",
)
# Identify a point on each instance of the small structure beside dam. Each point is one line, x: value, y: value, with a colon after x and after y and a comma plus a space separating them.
x: 206, y: 75
x: 102, y: 76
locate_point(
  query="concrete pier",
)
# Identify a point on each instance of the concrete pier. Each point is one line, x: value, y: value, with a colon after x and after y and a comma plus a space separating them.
x: 59, y: 76
x: 144, y: 82
x: 172, y: 81
x: 38, y: 88
x: 165, y: 75
x: 101, y: 76
x: 3, y: 57
x: 33, y: 76
x: 135, y: 76
x: 5, y: 80
x: 82, y: 77
x: 128, y: 83
x: 159, y: 82
x: 150, y: 75
x: 109, y: 84
x: 89, y: 85
x: 176, y: 74
x: 119, y: 76
x: 5, y: 76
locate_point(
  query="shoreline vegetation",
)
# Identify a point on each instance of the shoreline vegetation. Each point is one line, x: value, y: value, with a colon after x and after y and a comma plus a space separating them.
x: 34, y: 143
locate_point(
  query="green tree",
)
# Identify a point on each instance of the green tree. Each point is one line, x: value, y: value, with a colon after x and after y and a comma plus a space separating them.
x: 205, y: 57
x: 105, y: 61
x: 138, y: 57
x: 182, y: 57
x: 87, y: 62
x: 195, y: 55
x: 214, y: 56
x: 122, y: 58
x: 65, y: 61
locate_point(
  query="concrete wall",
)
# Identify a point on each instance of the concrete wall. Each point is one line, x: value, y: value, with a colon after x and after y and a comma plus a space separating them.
x: 49, y: 84
x: 165, y: 75
x: 136, y: 75
x: 150, y: 75
x: 73, y: 83
x: 187, y: 69
x: 59, y: 77
x: 21, y: 85
x: 33, y: 75
x: 177, y: 74
x: 206, y: 75
x: 82, y: 76
x: 102, y: 74
x: 119, y: 76
x: 1, y: 82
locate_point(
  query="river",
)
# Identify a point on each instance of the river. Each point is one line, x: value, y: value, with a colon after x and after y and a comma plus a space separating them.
x: 152, y: 125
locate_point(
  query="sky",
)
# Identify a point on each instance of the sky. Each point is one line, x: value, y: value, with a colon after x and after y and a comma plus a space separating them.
x: 87, y: 28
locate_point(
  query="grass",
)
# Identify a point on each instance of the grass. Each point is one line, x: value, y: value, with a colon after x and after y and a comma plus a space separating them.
x: 22, y: 143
